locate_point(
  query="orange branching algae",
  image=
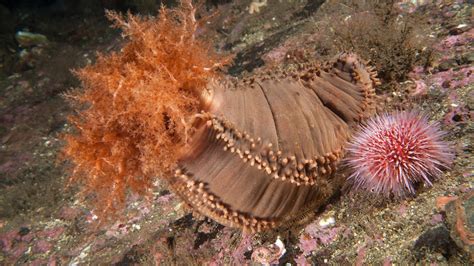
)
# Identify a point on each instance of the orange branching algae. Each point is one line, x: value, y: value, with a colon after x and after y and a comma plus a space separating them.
x: 134, y: 105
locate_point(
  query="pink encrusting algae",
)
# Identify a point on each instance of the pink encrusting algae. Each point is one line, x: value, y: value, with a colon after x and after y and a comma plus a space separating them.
x: 394, y: 151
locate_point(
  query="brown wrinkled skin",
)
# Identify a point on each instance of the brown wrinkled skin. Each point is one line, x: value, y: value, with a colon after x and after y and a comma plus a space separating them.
x: 265, y: 149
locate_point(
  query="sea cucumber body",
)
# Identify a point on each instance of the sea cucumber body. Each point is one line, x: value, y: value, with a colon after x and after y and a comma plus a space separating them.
x: 267, y: 147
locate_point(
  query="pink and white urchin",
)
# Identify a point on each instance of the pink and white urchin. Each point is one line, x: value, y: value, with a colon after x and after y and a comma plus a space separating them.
x: 394, y: 151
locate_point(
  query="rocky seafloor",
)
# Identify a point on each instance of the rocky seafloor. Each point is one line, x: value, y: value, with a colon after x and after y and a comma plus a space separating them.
x: 42, y: 223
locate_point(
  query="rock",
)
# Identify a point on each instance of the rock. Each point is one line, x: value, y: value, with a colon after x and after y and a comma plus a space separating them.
x: 69, y: 213
x: 256, y: 5
x: 435, y: 239
x: 28, y: 39
x: 442, y: 201
x: 7, y: 23
x: 460, y: 219
x: 42, y: 246
x: 467, y: 58
x: 447, y: 64
x: 23, y: 231
x: 458, y: 29
x: 269, y: 255
x: 326, y: 222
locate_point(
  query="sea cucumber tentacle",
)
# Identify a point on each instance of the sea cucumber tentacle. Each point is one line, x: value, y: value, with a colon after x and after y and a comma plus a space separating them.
x: 197, y: 195
x: 346, y: 86
x: 263, y: 156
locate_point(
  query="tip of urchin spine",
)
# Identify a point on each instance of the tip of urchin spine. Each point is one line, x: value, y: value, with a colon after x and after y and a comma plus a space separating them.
x: 393, y: 152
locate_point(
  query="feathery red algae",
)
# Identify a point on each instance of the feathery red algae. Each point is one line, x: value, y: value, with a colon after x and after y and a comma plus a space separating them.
x: 134, y: 106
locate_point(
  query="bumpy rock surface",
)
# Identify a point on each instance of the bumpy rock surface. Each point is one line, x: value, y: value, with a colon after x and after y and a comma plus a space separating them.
x: 460, y: 217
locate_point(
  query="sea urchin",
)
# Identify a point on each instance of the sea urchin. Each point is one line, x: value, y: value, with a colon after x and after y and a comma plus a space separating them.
x: 392, y: 152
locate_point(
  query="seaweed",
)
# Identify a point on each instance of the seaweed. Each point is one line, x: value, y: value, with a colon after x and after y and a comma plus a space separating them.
x: 394, y: 41
x: 134, y: 106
